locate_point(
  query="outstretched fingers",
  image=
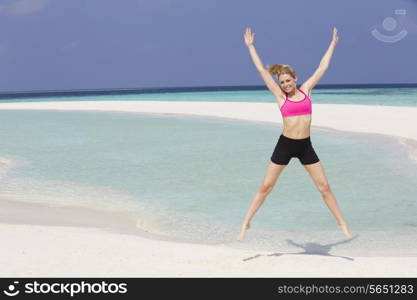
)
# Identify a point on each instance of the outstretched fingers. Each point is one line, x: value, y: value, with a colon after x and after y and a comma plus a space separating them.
x: 249, y: 36
x: 335, y: 34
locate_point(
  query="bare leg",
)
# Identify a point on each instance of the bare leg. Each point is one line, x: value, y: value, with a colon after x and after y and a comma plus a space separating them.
x: 272, y: 173
x: 331, y: 203
x: 318, y: 175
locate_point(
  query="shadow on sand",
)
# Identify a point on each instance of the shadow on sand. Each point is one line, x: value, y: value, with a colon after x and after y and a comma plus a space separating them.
x: 309, y: 249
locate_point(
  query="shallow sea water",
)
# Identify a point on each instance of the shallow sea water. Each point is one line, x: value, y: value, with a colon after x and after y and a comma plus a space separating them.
x: 192, y: 179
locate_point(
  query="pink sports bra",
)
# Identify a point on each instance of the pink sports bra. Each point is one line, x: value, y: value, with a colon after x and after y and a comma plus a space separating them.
x: 296, y: 108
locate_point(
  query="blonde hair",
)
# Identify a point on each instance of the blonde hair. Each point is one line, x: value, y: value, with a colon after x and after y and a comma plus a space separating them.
x: 278, y: 70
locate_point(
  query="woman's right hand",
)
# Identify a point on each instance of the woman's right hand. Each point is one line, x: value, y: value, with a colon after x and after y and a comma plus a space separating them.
x: 249, y: 37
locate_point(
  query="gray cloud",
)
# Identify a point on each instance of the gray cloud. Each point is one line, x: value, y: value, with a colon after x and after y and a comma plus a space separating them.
x: 70, y: 46
x: 3, y: 50
x: 22, y: 7
x: 408, y: 24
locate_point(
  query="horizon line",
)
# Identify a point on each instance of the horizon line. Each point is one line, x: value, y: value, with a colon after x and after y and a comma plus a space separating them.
x: 32, y: 93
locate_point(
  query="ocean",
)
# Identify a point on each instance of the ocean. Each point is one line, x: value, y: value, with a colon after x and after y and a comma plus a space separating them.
x: 367, y: 94
x: 192, y: 179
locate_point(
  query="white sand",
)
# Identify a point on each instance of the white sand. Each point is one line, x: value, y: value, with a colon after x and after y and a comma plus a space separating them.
x: 47, y: 251
x: 34, y: 246
x: 388, y: 120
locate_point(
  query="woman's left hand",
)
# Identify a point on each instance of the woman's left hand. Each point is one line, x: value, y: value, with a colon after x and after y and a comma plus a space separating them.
x: 335, y: 35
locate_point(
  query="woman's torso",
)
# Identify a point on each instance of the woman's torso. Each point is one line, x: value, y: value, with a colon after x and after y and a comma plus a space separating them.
x: 298, y: 126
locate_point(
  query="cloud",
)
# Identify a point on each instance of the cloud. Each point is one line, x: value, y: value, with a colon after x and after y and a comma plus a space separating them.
x: 408, y: 24
x: 155, y: 4
x: 22, y: 7
x: 3, y: 50
x: 70, y: 46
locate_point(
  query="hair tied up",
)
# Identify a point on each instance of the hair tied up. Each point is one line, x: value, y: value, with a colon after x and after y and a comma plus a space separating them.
x: 278, y: 70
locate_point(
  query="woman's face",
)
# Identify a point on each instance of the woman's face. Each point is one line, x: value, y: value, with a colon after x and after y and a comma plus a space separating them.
x: 287, y: 83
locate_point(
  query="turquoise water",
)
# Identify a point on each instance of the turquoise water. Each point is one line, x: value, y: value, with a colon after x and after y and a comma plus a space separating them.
x: 192, y: 179
x: 405, y: 96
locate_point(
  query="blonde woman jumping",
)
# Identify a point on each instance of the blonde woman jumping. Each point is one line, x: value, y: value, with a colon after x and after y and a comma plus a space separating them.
x: 296, y: 108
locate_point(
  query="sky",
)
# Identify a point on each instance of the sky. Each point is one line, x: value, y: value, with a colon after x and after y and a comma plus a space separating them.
x: 117, y: 44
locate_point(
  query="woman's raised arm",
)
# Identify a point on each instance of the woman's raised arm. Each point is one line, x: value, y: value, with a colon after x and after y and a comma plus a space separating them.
x: 269, y: 81
x: 310, y: 83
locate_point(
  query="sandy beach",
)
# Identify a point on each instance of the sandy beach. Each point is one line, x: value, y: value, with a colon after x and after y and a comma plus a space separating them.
x: 49, y: 241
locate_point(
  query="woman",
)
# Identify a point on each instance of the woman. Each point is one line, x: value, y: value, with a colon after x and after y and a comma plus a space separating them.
x: 295, y: 107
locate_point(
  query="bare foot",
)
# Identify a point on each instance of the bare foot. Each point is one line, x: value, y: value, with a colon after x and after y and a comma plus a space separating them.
x: 345, y: 230
x: 242, y: 232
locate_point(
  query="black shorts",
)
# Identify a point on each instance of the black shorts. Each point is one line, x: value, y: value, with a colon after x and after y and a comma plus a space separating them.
x: 287, y: 148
